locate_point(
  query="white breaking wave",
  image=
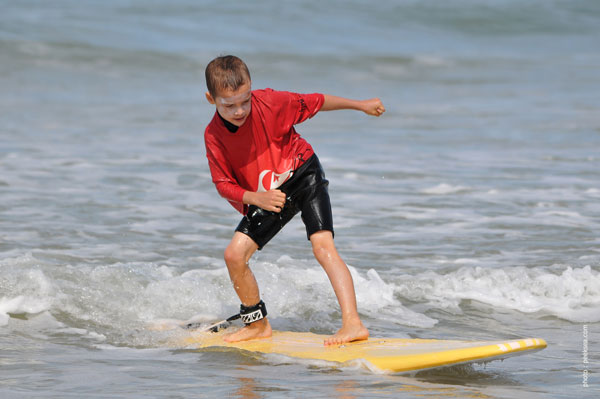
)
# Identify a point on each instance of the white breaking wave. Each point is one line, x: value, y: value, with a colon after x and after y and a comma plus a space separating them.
x: 568, y: 293
x: 117, y: 301
x: 19, y: 304
x: 443, y: 189
x: 123, y: 297
x: 31, y: 293
x: 295, y: 288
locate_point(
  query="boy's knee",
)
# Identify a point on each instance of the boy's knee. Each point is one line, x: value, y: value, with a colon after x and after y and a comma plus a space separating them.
x: 234, y: 256
x: 320, y: 251
x: 323, y: 246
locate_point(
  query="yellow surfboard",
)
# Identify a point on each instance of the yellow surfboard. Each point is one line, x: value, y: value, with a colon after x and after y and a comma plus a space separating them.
x: 388, y: 354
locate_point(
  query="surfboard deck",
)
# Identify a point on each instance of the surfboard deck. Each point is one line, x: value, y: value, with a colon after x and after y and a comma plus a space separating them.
x: 388, y: 354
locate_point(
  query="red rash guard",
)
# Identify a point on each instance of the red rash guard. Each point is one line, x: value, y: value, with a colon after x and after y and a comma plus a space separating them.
x: 263, y: 153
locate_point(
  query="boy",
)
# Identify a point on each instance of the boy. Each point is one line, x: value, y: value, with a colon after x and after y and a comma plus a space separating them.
x: 262, y: 166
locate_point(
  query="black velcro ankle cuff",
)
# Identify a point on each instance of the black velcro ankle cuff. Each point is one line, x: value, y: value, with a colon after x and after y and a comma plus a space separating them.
x: 250, y: 314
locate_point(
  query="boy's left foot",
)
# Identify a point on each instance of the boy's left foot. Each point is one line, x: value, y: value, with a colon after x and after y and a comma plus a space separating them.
x: 348, y: 333
x: 256, y: 330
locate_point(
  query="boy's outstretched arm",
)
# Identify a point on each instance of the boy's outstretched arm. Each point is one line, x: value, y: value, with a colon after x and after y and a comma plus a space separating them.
x: 371, y: 106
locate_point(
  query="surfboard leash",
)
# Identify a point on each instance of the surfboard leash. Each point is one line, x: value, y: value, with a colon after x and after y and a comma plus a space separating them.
x: 248, y: 314
x: 216, y: 327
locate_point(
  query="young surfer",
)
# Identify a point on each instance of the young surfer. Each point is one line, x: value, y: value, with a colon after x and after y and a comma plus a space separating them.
x: 262, y: 166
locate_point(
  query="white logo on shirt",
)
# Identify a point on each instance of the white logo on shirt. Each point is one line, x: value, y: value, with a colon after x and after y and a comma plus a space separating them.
x: 269, y: 180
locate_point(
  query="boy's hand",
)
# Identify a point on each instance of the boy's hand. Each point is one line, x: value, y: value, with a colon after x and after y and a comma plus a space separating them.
x: 373, y: 106
x: 272, y: 200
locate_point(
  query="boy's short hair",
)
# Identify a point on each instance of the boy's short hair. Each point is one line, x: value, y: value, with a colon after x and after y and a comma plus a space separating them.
x: 225, y: 72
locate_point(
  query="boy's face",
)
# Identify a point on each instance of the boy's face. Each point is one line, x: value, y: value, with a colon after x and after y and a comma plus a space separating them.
x: 233, y: 105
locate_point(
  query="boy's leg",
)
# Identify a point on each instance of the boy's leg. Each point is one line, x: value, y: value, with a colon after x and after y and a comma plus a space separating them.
x: 237, y: 255
x: 343, y: 286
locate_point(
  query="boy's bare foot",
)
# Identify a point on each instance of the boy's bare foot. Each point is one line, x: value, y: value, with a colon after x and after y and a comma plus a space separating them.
x: 258, y: 329
x: 348, y: 333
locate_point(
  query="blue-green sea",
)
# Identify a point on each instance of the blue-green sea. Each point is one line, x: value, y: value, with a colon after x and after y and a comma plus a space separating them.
x: 469, y: 210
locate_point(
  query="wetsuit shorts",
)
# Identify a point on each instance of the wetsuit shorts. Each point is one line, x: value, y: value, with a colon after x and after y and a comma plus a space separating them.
x: 306, y: 192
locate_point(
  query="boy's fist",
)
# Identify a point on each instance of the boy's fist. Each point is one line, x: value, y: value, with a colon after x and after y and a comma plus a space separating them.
x: 272, y: 200
x: 373, y: 106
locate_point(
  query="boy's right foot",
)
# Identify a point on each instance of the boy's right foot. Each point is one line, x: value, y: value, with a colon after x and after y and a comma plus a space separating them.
x: 256, y: 330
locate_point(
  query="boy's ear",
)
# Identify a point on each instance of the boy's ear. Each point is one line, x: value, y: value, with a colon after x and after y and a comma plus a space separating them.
x: 209, y: 98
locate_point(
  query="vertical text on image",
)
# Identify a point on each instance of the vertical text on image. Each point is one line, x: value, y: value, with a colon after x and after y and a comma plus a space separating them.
x: 585, y: 359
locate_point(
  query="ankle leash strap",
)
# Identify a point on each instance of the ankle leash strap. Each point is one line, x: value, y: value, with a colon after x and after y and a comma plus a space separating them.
x: 250, y: 314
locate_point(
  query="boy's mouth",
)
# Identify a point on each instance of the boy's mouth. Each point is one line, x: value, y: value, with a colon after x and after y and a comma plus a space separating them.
x: 240, y: 119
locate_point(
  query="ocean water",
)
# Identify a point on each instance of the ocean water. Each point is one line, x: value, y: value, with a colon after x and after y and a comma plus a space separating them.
x: 470, y: 210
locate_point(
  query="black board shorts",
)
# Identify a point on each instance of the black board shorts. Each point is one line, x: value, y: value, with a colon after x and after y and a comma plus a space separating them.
x: 306, y: 191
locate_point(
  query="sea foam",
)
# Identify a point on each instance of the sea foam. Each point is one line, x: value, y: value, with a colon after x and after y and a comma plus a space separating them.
x: 115, y: 301
x: 444, y: 189
x: 122, y: 297
x: 29, y: 291
x: 569, y: 293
